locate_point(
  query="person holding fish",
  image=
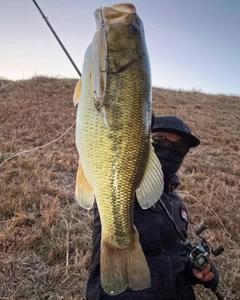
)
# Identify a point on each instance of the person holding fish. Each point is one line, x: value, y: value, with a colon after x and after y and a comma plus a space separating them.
x: 126, y: 169
x: 172, y: 276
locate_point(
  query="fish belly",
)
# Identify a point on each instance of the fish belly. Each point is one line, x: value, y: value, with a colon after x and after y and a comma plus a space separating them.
x: 113, y: 160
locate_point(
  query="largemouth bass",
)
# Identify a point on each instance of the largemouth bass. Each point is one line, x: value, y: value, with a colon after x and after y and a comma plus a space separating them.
x: 117, y: 159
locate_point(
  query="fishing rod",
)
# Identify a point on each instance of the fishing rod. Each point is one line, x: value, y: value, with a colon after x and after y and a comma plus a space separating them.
x: 59, y: 41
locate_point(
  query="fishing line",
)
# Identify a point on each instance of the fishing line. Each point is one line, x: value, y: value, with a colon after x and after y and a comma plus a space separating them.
x: 40, y: 147
x: 76, y: 68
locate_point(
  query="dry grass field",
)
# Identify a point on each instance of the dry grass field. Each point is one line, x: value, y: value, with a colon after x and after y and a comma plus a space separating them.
x: 45, y: 237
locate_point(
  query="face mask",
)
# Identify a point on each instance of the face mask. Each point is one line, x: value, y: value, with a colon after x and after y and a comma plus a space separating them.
x: 170, y: 156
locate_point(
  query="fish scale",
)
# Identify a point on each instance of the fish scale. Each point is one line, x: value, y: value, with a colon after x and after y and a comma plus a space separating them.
x: 117, y: 159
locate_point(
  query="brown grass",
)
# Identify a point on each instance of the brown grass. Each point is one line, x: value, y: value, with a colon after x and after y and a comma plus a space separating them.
x: 45, y: 237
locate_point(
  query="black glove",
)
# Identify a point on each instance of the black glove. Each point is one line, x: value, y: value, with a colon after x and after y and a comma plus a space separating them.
x: 212, y: 284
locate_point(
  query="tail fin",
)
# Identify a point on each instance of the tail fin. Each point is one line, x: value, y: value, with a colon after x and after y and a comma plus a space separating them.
x: 124, y: 267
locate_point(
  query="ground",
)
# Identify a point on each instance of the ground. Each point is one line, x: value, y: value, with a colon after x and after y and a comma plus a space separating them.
x: 45, y: 237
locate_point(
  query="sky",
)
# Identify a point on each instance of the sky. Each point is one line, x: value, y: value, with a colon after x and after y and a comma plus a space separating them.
x: 192, y: 44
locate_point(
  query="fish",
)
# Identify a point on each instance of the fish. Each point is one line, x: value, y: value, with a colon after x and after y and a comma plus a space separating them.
x: 113, y: 139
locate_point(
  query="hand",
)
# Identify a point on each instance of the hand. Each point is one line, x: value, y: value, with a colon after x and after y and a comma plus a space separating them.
x: 204, y: 275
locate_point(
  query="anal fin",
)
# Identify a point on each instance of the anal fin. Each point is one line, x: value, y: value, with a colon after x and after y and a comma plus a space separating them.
x: 84, y: 192
x: 151, y: 186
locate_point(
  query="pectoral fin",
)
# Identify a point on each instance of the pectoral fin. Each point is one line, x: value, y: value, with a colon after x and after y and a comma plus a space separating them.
x: 84, y: 192
x: 77, y: 92
x: 151, y: 187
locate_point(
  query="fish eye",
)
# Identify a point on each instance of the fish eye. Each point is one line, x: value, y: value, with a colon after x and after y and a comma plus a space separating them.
x: 133, y: 27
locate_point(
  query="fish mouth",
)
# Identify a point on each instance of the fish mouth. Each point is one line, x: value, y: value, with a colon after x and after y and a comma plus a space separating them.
x: 118, y: 12
x: 114, y: 14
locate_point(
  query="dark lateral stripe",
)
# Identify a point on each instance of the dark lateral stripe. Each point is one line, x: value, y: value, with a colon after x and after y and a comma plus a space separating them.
x: 123, y: 68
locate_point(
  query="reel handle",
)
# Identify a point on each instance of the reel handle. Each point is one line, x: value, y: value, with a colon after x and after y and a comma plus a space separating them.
x: 218, y: 251
x: 201, y: 229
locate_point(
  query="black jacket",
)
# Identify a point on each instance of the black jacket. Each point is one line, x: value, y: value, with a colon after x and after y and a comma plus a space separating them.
x: 171, y: 276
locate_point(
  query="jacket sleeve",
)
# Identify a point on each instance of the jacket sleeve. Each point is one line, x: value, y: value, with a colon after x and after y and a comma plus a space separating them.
x: 94, y: 288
